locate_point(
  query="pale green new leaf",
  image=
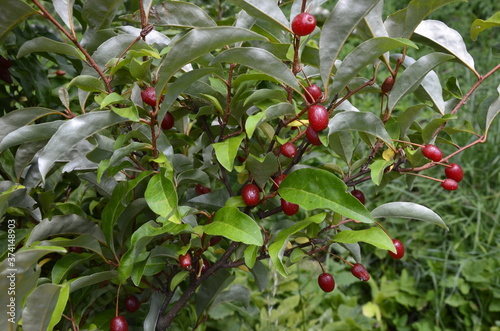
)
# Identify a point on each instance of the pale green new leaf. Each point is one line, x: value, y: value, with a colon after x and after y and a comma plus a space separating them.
x: 229, y: 222
x: 277, y: 248
x: 226, y: 151
x: 480, y: 25
x: 374, y: 236
x: 161, y: 197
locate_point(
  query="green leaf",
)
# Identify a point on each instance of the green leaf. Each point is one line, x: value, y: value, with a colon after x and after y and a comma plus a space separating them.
x: 262, y: 168
x: 362, y: 122
x: 95, y: 278
x: 64, y: 9
x: 13, y: 12
x: 362, y: 56
x: 338, y: 26
x: 226, y: 151
x: 65, y: 225
x: 440, y: 36
x: 179, y: 14
x: 177, y: 279
x: 316, y: 189
x: 373, y: 236
x: 87, y: 83
x: 19, y: 118
x: 45, y: 306
x: 42, y: 44
x: 161, y: 197
x: 377, y: 170
x: 408, y: 210
x: 268, y: 11
x: 64, y: 265
x: 261, y: 60
x: 229, y: 222
x: 411, y: 78
x: 278, y: 247
x: 196, y: 43
x: 120, y: 199
x: 480, y: 25
x: 71, y: 133
x: 493, y: 111
x: 250, y: 255
x: 100, y: 13
x: 140, y: 239
x: 30, y: 133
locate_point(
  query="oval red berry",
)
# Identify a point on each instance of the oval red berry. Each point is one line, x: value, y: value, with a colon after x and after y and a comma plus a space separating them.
x: 359, y: 271
x: 326, y: 282
x: 432, y: 152
x: 118, y: 323
x: 313, y: 93
x: 400, y: 249
x: 303, y: 24
x: 318, y: 117
x: 455, y: 172
x: 312, y: 136
x: 251, y: 195
x: 289, y: 208
x: 132, y: 304
x: 288, y: 150
x: 449, y: 184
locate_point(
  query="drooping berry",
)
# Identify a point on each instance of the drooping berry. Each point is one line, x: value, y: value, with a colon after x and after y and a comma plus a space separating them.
x: 359, y: 271
x: 303, y: 24
x: 312, y: 136
x: 455, y: 172
x: 149, y: 96
x: 400, y: 249
x: 359, y: 195
x: 326, y: 282
x: 432, y: 152
x: 132, y: 304
x: 118, y: 323
x: 288, y: 150
x: 289, y: 208
x: 200, y: 189
x: 185, y: 260
x: 449, y: 184
x: 75, y: 249
x: 251, y: 195
x: 387, y: 84
x: 277, y: 181
x: 168, y: 121
x: 313, y: 93
x: 318, y: 117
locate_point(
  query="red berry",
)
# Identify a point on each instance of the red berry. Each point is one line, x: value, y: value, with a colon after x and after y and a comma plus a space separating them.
x: 303, y: 24
x: 60, y: 72
x: 359, y: 195
x: 251, y: 195
x: 118, y: 323
x: 326, y: 282
x: 215, y: 240
x: 359, y: 271
x: 313, y: 93
x: 449, y: 184
x: 132, y: 304
x: 149, y: 96
x: 73, y: 249
x: 185, y: 260
x: 277, y: 181
x: 168, y: 122
x: 387, y: 84
x: 400, y: 249
x: 432, y: 152
x: 312, y: 136
x: 289, y: 208
x: 455, y: 172
x: 288, y: 150
x: 318, y: 117
x: 200, y: 189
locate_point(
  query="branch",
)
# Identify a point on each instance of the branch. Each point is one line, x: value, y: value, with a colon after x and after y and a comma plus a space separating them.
x: 90, y: 60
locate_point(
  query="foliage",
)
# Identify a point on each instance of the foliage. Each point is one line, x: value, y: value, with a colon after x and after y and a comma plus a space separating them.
x: 98, y: 202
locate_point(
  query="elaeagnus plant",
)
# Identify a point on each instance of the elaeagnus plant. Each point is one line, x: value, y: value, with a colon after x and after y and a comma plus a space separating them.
x: 184, y: 145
